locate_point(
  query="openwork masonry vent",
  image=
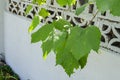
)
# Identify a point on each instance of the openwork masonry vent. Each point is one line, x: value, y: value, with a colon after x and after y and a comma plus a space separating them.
x: 108, y: 24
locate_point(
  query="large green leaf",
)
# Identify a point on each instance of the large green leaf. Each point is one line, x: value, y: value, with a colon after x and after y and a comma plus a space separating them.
x: 115, y: 7
x: 66, y: 2
x: 63, y: 56
x: 84, y: 40
x: 76, y: 46
x: 42, y: 33
x: 34, y: 23
x: 80, y: 47
x: 112, y: 5
x: 92, y: 37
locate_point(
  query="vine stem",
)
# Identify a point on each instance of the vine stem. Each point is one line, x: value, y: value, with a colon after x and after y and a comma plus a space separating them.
x: 93, y: 18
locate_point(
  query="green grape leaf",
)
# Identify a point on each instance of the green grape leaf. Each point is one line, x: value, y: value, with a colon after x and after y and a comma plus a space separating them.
x: 75, y: 55
x: 40, y: 2
x: 93, y: 36
x: 79, y: 48
x: 44, y: 13
x: 34, y: 23
x: 112, y: 5
x: 83, y: 61
x: 62, y: 2
x: 61, y: 24
x: 63, y: 57
x: 103, y: 5
x: 115, y: 7
x: 29, y: 7
x: 80, y: 9
x: 47, y: 46
x: 84, y: 40
x: 66, y: 2
x: 73, y: 36
x: 72, y: 45
x: 42, y: 33
x: 67, y: 61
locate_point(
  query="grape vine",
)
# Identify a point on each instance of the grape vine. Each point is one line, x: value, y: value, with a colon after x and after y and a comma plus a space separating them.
x: 71, y: 44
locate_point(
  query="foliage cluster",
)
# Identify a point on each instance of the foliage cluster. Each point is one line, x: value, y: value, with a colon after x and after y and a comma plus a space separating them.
x: 71, y: 44
x: 6, y: 73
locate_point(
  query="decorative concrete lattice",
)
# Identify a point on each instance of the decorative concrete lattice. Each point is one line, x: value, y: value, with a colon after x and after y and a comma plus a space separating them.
x: 108, y: 24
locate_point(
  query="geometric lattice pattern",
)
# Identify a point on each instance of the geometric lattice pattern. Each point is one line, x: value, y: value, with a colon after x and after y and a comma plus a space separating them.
x: 108, y: 24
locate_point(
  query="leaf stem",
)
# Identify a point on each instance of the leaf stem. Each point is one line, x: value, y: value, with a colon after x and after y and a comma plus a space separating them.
x: 93, y: 18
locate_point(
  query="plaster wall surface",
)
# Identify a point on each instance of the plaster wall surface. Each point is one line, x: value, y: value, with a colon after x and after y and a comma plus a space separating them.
x: 26, y: 58
x: 2, y: 8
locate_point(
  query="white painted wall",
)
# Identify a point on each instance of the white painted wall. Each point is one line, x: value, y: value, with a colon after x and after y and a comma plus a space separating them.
x: 2, y: 8
x: 26, y: 58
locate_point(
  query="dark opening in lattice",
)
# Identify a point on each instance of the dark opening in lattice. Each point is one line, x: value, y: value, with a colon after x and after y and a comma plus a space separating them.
x: 117, y: 44
x: 105, y: 27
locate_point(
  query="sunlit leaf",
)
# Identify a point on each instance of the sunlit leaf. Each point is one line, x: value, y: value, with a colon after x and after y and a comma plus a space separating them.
x: 40, y: 2
x: 71, y: 45
x: 66, y: 2
x: 79, y: 48
x: 44, y: 13
x: 29, y: 7
x: 34, y: 23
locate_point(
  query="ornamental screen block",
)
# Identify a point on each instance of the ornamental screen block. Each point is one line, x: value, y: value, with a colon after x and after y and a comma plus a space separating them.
x: 107, y: 23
